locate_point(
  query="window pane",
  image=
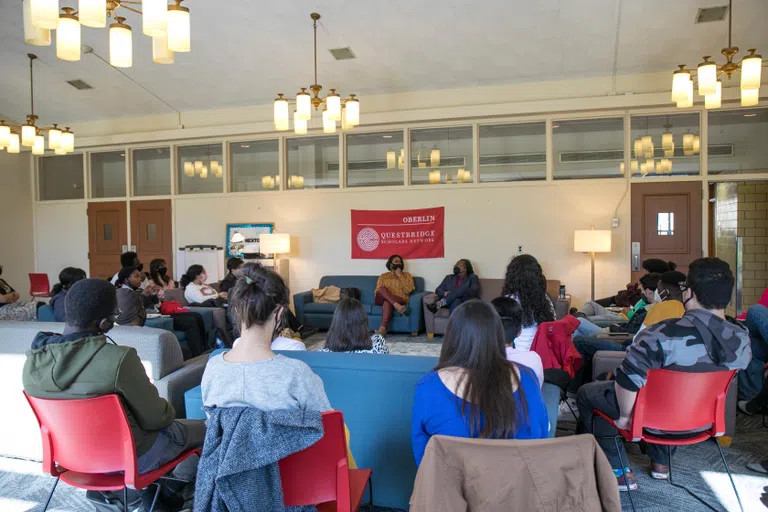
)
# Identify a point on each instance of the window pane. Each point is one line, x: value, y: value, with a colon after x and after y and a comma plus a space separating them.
x: 313, y: 162
x: 667, y: 144
x: 152, y: 172
x: 107, y: 231
x: 737, y: 141
x: 439, y: 154
x: 513, y: 152
x: 255, y: 166
x: 588, y: 148
x: 108, y: 174
x: 151, y: 232
x: 665, y: 224
x: 61, y: 177
x: 375, y: 159
x: 200, y: 169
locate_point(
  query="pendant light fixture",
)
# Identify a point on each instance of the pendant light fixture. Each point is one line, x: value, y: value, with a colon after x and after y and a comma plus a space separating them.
x: 299, y: 125
x: 12, y: 137
x: 391, y: 160
x: 434, y: 158
x: 334, y: 109
x: 168, y: 25
x: 709, y: 75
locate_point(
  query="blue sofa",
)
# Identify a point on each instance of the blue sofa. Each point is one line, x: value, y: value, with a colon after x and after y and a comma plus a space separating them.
x: 320, y: 315
x: 375, y: 393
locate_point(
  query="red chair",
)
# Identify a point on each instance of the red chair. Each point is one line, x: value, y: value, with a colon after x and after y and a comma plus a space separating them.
x: 88, y: 443
x: 39, y: 286
x: 320, y: 475
x: 674, y: 401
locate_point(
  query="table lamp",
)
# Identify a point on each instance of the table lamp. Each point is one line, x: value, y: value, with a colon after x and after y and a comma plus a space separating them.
x: 274, y: 244
x: 592, y: 241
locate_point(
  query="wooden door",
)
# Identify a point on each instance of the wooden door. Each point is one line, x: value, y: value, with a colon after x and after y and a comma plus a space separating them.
x: 151, y: 232
x: 107, y: 237
x: 666, y: 223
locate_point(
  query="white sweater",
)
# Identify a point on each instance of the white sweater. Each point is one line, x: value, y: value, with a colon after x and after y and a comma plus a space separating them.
x: 194, y: 293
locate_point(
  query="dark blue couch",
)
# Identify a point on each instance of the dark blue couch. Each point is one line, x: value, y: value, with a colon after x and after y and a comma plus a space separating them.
x: 320, y: 315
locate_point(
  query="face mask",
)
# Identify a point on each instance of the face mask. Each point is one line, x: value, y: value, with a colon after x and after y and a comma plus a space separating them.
x: 656, y: 296
x: 456, y: 271
x: 398, y: 266
x: 162, y: 271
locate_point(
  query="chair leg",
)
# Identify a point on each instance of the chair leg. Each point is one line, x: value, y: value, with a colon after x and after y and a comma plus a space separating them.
x: 154, y: 500
x: 669, y: 458
x: 626, y: 480
x: 722, y: 456
x: 48, y: 501
x: 125, y: 499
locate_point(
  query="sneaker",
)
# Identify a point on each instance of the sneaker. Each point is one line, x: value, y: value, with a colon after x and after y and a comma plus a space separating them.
x: 659, y: 471
x: 563, y: 409
x: 432, y: 308
x: 627, y: 481
x: 742, y: 406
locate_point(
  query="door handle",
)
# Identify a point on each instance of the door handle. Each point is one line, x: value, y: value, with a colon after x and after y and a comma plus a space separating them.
x: 635, y: 256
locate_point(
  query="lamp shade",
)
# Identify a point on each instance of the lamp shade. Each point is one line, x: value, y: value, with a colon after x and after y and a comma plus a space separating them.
x: 333, y: 103
x: 275, y: 243
x: 68, y: 38
x: 178, y: 28
x: 38, y: 146
x: 120, y: 45
x: 93, y: 13
x: 5, y: 135
x: 750, y: 97
x: 434, y: 177
x: 353, y: 111
x: 14, y: 145
x: 344, y: 124
x: 68, y: 141
x: 32, y: 34
x: 434, y: 157
x: 54, y: 138
x: 751, y: 68
x: 304, y: 105
x: 668, y: 142
x: 714, y: 100
x: 592, y: 240
x: 299, y: 125
x: 391, y: 160
x: 155, y: 17
x: 687, y: 102
x: 707, y: 74
x: 45, y: 13
x: 329, y: 125
x: 281, y: 112
x: 28, y: 133
x: 160, y: 52
x: 189, y: 169
x: 680, y: 81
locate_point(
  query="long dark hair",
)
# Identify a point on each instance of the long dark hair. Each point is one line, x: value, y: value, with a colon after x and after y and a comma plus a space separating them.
x: 525, y: 281
x: 474, y: 342
x: 349, y: 328
x: 257, y: 293
x: 154, y: 266
x: 67, y: 278
x: 191, y: 275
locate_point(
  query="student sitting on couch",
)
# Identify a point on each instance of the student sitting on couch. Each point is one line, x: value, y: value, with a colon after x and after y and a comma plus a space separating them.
x: 196, y: 291
x: 459, y: 286
x: 349, y: 331
x: 475, y: 391
x: 67, y: 278
x: 11, y: 308
x: 392, y: 291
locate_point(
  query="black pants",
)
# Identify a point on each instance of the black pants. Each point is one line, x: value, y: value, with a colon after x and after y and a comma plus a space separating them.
x: 193, y: 327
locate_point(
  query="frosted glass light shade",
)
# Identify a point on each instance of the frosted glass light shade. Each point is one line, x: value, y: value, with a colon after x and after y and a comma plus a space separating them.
x: 5, y: 135
x: 304, y: 106
x: 54, y: 138
x: 267, y: 182
x: 198, y: 165
x: 633, y: 166
x: 155, y: 17
x: 696, y: 144
x: 353, y: 112
x: 329, y: 125
x: 707, y: 74
x: 45, y: 13
x: 189, y: 169
x: 178, y: 28
x: 28, y: 133
x: 215, y: 166
x: 648, y: 149
x: 638, y: 148
x: 275, y: 243
x: 344, y: 125
x: 92, y: 13
x: 120, y: 45
x: 204, y: 172
x: 622, y: 169
x: 281, y: 112
x: 650, y: 165
x: 391, y: 159
x: 68, y: 38
x: 592, y: 240
x: 32, y: 34
x: 750, y: 97
x: 680, y: 81
x: 60, y: 151
x: 434, y: 177
x: 13, y: 145
x: 434, y: 157
x: 751, y: 69
x: 299, y: 125
x: 333, y: 103
x: 68, y: 141
x: 714, y: 100
x: 38, y: 146
x: 668, y: 142
x: 160, y: 52
x: 687, y: 102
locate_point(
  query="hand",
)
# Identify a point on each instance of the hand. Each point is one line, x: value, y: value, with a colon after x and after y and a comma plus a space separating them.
x: 398, y: 272
x: 400, y: 308
x: 150, y: 290
x: 7, y: 298
x: 624, y: 423
x: 223, y: 295
x: 16, y: 296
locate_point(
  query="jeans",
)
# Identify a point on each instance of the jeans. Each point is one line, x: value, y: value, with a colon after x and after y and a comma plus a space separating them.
x: 757, y: 321
x: 602, y: 396
x: 751, y: 385
x: 595, y: 312
x: 172, y: 441
x: 587, y: 328
x: 588, y: 346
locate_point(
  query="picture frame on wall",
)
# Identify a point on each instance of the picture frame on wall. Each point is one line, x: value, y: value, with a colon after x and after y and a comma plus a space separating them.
x: 243, y: 240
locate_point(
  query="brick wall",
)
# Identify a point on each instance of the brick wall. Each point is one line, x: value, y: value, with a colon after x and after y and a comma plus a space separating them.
x: 725, y: 227
x: 752, y: 226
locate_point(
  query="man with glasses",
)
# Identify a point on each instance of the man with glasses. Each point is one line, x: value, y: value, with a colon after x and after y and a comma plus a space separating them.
x: 701, y: 341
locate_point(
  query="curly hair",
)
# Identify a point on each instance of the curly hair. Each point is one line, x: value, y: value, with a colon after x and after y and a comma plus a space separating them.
x: 526, y: 282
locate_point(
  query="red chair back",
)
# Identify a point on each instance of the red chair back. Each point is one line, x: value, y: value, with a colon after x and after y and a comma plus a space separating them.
x: 677, y: 401
x: 320, y: 473
x: 85, y: 435
x: 39, y: 285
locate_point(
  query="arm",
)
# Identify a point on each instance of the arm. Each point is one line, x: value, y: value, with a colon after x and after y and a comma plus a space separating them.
x: 409, y: 286
x: 419, y: 436
x: 194, y: 295
x: 379, y: 283
x: 315, y: 397
x: 645, y: 354
x: 440, y: 290
x: 626, y: 400
x: 474, y: 286
x: 151, y: 412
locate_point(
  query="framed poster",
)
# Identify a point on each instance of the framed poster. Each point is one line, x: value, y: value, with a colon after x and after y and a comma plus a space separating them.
x: 243, y: 240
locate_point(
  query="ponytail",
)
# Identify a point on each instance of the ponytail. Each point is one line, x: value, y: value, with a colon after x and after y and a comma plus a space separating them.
x: 256, y: 295
x: 67, y: 278
x: 190, y: 275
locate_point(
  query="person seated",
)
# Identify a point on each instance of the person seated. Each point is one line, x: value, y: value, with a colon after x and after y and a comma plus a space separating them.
x: 349, y: 331
x: 474, y: 390
x: 197, y: 292
x: 525, y: 282
x: 229, y: 281
x: 460, y: 286
x: 393, y: 290
x: 158, y: 276
x: 251, y: 374
x: 701, y: 341
x: 67, y: 278
x: 131, y: 308
x: 512, y: 321
x: 667, y: 299
x: 96, y: 366
x: 628, y: 297
x: 130, y: 277
x: 11, y: 307
x: 130, y: 259
x: 752, y: 386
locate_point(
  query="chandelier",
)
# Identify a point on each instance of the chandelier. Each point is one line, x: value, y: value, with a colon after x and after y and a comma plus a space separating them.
x: 334, y: 108
x: 201, y: 168
x: 709, y: 74
x: 645, y: 149
x: 167, y: 25
x: 12, y: 137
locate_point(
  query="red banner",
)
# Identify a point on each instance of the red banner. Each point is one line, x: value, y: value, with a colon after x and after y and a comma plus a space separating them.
x: 413, y: 234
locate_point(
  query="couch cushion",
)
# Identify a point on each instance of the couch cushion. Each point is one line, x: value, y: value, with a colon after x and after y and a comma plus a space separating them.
x: 314, y: 307
x: 366, y: 285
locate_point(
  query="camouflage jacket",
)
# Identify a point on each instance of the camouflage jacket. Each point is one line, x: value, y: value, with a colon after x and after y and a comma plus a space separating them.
x: 698, y: 342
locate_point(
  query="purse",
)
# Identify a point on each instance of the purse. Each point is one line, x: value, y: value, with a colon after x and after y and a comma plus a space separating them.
x: 170, y: 307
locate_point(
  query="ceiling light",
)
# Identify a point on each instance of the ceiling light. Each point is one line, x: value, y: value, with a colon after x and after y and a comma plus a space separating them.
x: 696, y: 144
x: 160, y: 52
x: 434, y: 177
x: 67, y: 141
x: 178, y: 28
x: 687, y: 102
x: 391, y: 159
x: 198, y: 165
x: 680, y: 81
x: 45, y: 13
x: 120, y: 44
x: 32, y: 34
x: 668, y: 141
x: 751, y: 67
x: 714, y: 100
x: 68, y: 36
x: 204, y: 172
x: 28, y: 133
x: 638, y: 148
x: 38, y: 146
x: 688, y: 144
x: 707, y: 75
x: 13, y: 144
x: 750, y: 97
x: 299, y: 125
x: 189, y: 169
x: 245, y: 145
x: 333, y: 107
x: 5, y: 134
x: 155, y: 17
x: 633, y: 166
x: 434, y: 158
x: 93, y: 13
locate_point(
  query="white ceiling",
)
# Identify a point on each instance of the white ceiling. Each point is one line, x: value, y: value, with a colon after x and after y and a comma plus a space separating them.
x: 244, y: 52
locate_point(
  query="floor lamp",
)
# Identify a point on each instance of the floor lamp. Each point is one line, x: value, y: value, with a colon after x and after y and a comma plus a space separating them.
x: 592, y: 241
x: 274, y: 244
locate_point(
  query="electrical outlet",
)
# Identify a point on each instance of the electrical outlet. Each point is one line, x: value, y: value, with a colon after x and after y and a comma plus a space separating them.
x: 519, y: 249
x: 615, y: 222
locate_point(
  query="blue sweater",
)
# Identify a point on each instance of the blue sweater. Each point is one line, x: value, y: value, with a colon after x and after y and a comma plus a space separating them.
x: 436, y: 411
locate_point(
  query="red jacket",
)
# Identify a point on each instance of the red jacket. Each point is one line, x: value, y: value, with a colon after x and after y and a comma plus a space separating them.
x: 763, y: 300
x: 554, y: 343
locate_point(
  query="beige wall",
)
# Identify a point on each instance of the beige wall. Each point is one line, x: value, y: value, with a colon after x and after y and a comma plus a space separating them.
x: 62, y: 237
x: 16, y: 233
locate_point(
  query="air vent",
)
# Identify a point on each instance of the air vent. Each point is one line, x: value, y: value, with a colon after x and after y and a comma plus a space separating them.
x: 79, y: 85
x: 342, y: 53
x: 710, y: 14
